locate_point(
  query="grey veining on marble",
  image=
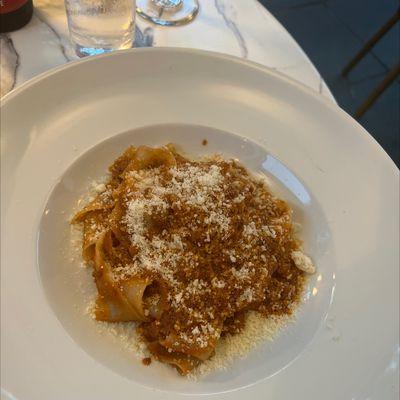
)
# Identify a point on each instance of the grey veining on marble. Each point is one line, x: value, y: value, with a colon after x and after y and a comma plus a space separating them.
x: 224, y: 8
x: 236, y: 27
x: 144, y: 38
x: 9, y: 64
x: 61, y: 35
x: 63, y: 47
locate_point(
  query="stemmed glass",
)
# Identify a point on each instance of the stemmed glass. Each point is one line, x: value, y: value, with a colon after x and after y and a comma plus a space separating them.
x: 168, y: 12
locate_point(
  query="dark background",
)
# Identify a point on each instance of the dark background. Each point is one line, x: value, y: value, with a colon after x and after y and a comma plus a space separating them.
x: 331, y: 32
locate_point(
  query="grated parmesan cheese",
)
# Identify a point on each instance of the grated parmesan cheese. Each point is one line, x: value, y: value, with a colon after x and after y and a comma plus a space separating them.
x: 232, y: 347
x: 303, y: 262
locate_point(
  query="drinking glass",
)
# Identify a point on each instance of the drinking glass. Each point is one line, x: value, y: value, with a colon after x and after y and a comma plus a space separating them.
x: 168, y: 12
x: 99, y: 26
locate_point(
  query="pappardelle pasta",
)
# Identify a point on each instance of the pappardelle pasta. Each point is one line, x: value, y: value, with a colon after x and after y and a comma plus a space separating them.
x: 186, y: 248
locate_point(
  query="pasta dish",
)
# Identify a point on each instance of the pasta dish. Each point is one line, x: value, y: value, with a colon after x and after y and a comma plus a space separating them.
x: 187, y: 248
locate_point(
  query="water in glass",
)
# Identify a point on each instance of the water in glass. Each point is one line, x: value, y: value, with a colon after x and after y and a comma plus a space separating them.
x: 98, y: 26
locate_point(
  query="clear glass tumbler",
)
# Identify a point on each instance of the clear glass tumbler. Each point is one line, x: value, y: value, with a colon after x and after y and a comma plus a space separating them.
x: 99, y: 26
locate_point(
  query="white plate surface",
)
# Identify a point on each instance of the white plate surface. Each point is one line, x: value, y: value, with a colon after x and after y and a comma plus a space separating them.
x: 61, y: 130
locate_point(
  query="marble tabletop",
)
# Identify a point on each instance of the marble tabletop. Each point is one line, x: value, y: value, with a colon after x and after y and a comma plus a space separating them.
x: 242, y: 28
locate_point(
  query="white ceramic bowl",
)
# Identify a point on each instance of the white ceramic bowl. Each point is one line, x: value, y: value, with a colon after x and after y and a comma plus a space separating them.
x: 61, y: 130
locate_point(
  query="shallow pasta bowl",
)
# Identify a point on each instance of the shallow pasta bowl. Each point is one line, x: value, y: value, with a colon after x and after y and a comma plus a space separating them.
x: 62, y: 129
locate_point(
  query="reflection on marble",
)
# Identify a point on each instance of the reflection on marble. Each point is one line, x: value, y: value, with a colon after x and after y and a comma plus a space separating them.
x: 237, y: 27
